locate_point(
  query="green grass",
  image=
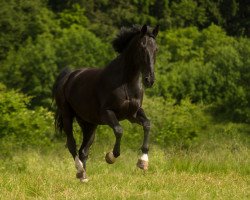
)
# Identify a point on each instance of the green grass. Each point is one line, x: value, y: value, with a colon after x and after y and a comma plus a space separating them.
x: 198, y: 173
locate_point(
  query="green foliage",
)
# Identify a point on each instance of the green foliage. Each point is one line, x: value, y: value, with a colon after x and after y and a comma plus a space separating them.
x: 74, y: 16
x: 187, y: 12
x: 33, y: 67
x: 175, y: 124
x: 202, y: 65
x: 89, y: 51
x: 20, y: 20
x: 21, y: 127
x: 206, y: 66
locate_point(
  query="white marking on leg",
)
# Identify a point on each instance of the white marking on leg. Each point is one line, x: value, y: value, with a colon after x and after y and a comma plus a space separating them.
x: 144, y: 157
x: 78, y: 164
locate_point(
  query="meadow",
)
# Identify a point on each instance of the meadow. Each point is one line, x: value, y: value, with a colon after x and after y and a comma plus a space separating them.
x: 216, y: 168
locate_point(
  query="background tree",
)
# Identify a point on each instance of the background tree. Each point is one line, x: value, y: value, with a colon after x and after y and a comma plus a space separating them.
x: 197, y: 58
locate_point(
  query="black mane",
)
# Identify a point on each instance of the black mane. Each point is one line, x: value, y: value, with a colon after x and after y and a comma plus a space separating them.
x: 125, y: 36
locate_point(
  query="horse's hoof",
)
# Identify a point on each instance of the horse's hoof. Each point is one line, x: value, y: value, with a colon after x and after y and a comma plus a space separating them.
x: 110, y: 158
x: 80, y: 175
x: 84, y: 180
x: 142, y: 164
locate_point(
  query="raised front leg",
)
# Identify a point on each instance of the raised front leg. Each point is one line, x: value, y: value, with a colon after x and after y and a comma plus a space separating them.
x: 145, y: 123
x: 109, y: 118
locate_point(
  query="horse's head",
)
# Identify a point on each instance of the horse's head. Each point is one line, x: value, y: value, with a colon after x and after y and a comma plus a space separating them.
x: 139, y: 46
x: 147, y: 53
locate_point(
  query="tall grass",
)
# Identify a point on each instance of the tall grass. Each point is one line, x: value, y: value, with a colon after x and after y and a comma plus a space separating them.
x: 197, y: 173
x: 191, y: 157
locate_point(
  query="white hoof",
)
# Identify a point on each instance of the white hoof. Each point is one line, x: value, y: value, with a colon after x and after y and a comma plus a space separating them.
x: 143, y: 162
x: 84, y: 180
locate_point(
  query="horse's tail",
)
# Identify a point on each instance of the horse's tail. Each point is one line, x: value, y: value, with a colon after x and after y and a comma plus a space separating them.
x: 57, y: 92
x: 58, y: 121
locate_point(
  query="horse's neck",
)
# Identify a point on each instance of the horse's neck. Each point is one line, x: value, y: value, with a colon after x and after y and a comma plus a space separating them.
x: 131, y: 77
x: 123, y: 72
x: 131, y: 70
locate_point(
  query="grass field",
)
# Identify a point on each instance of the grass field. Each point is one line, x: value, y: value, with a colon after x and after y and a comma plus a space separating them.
x: 206, y: 172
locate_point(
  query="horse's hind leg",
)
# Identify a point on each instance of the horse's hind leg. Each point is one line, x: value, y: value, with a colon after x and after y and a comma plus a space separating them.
x: 88, y: 138
x: 67, y: 117
x: 67, y: 127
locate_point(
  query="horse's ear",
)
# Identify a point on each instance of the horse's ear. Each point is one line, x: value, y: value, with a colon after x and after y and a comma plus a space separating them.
x: 156, y: 30
x: 144, y: 29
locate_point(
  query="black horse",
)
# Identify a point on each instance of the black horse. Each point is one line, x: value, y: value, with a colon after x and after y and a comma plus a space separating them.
x: 106, y: 96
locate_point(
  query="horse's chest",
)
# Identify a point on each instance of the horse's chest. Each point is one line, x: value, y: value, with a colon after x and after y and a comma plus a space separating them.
x: 125, y: 101
x: 132, y: 101
x: 129, y: 107
x: 133, y: 105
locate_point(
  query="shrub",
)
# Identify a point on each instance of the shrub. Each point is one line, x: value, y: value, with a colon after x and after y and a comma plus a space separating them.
x: 21, y: 127
x: 206, y: 66
x: 78, y: 47
x: 175, y: 124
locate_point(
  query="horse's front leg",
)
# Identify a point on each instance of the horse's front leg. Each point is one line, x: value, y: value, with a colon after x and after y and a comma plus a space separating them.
x: 141, y: 119
x: 109, y: 117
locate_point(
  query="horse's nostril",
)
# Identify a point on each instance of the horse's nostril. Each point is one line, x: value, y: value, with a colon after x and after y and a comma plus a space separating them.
x: 147, y: 79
